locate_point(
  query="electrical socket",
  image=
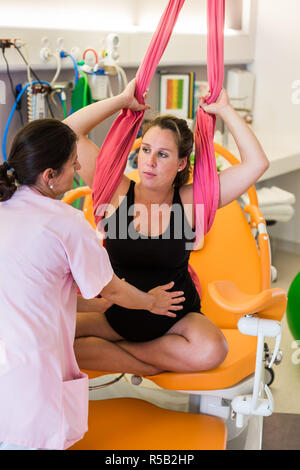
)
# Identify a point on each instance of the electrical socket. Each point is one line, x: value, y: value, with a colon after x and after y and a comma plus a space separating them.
x: 45, y: 50
x: 76, y: 53
x: 60, y: 44
x: 45, y: 54
x: 19, y: 43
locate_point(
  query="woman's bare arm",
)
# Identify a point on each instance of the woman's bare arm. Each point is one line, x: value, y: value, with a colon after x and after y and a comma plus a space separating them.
x: 235, y: 181
x: 86, y: 119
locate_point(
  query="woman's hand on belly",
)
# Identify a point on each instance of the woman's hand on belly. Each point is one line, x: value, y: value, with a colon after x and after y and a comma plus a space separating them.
x: 165, y: 301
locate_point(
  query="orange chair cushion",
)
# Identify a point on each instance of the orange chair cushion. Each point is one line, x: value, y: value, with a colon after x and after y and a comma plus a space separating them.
x: 131, y: 424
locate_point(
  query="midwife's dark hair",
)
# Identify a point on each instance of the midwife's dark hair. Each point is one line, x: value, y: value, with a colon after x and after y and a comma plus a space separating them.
x: 184, y: 139
x: 40, y: 144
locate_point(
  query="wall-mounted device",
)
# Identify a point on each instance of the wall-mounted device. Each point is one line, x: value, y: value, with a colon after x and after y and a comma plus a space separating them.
x: 240, y: 89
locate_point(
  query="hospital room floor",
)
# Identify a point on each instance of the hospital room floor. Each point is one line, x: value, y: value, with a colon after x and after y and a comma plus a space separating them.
x: 282, y: 429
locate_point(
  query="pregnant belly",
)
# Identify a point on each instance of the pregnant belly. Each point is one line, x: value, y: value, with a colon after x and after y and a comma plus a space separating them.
x: 148, y: 279
x: 141, y: 325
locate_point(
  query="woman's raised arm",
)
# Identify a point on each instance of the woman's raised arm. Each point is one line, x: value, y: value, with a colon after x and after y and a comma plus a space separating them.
x: 235, y: 181
x: 86, y: 119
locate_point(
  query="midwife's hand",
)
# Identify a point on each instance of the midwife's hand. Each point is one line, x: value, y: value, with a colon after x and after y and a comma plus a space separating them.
x: 164, y: 301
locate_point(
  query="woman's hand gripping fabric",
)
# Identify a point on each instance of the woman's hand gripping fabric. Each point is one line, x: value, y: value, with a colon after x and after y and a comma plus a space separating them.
x: 218, y: 106
x: 130, y: 100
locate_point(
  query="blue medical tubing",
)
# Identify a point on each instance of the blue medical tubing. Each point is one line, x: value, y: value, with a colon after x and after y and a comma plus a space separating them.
x: 12, y: 113
x: 66, y: 54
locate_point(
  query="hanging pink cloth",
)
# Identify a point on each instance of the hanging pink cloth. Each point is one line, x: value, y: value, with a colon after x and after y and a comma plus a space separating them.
x: 206, y: 181
x: 114, y: 152
x: 112, y: 158
x: 205, y: 177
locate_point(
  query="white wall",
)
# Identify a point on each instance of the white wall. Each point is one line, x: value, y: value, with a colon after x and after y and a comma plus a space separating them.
x: 81, y: 23
x: 117, y: 15
x: 68, y: 14
x: 277, y: 67
x: 85, y: 25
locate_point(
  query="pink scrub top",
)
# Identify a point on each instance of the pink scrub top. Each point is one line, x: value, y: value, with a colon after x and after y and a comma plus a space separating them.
x: 47, y: 252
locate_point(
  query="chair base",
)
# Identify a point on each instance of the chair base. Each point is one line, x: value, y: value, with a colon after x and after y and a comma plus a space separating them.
x: 132, y: 424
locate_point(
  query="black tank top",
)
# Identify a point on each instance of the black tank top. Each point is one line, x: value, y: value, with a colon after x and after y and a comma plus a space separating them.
x: 147, y: 262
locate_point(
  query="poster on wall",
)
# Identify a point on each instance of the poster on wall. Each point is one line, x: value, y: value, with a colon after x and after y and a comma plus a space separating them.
x: 176, y: 95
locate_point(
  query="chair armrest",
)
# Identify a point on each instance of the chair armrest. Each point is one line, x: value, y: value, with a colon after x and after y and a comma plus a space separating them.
x: 268, y: 304
x: 73, y: 194
x: 257, y: 221
x: 255, y: 214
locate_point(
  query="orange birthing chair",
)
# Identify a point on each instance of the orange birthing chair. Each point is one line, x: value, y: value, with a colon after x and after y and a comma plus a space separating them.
x: 234, y: 271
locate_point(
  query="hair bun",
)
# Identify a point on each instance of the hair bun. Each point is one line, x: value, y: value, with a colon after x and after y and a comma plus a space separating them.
x: 6, y: 166
x: 7, y: 182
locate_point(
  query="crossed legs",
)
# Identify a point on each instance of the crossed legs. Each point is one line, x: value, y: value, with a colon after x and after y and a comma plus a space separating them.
x: 97, y: 347
x: 193, y: 344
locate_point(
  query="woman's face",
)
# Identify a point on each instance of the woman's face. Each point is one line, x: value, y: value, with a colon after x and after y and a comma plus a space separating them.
x: 158, y: 161
x: 64, y: 181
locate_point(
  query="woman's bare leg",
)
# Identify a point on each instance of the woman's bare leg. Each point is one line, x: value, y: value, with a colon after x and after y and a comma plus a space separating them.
x: 95, y: 324
x: 99, y: 354
x: 193, y: 344
x: 97, y: 347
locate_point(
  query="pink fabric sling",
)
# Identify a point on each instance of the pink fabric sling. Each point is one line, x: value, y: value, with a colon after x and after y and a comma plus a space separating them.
x: 114, y: 152
x: 112, y: 158
x: 206, y: 181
